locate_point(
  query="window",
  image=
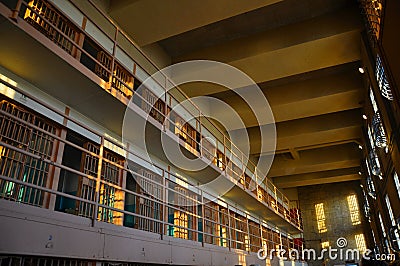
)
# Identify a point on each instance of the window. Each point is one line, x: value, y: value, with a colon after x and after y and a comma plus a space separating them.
x: 382, y: 225
x: 367, y: 209
x: 325, y: 244
x: 360, y: 242
x: 392, y: 219
x: 377, y: 126
x: 373, y: 157
x: 354, y: 210
x: 370, y: 182
x: 381, y: 78
x: 397, y: 183
x: 14, y: 164
x: 320, y: 214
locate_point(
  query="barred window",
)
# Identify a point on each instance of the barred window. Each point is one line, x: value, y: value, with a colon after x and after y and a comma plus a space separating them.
x: 382, y: 80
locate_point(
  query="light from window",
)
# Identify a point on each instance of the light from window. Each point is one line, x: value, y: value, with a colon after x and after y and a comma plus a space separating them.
x: 360, y: 242
x: 354, y: 210
x: 325, y: 244
x: 382, y: 225
x: 381, y: 78
x: 320, y: 214
x: 379, y: 131
x: 392, y: 219
x: 389, y: 207
x: 397, y: 183
x: 373, y: 102
x: 373, y: 157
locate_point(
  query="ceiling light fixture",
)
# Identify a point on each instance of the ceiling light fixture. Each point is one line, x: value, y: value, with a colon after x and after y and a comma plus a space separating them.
x: 361, y: 70
x: 364, y: 117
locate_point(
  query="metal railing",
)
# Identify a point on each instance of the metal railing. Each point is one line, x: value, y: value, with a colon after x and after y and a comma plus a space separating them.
x: 75, y: 40
x: 372, y: 10
x: 152, y: 200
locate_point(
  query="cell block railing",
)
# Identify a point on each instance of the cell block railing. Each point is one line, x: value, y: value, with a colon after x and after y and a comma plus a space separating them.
x: 96, y: 183
x: 372, y: 10
x: 46, y: 19
x: 106, y: 65
x: 15, y: 163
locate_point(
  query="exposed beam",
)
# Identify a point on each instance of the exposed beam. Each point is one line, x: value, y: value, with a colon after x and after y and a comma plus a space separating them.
x: 172, y: 17
x: 318, y: 43
x: 304, y: 98
x: 311, y: 131
x: 341, y: 175
x: 323, y: 159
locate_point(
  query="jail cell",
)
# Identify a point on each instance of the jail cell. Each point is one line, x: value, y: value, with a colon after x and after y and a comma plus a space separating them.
x: 208, y: 150
x: 276, y: 238
x: 267, y: 236
x: 185, y: 215
x: 122, y: 80
x: 22, y: 167
x: 57, y: 20
x: 224, y: 227
x: 152, y: 208
x: 210, y: 223
x: 149, y: 99
x: 105, y: 61
x: 255, y: 239
x: 108, y: 195
x: 239, y: 231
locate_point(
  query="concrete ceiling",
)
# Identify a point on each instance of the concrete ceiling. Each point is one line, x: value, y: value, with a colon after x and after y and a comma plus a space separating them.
x: 304, y: 55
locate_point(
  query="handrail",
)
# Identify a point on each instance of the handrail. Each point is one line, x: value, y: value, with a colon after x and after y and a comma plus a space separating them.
x: 275, y: 193
x: 167, y: 79
x: 166, y: 174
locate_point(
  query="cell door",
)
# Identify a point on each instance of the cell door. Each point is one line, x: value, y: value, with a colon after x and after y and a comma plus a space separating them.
x: 17, y: 165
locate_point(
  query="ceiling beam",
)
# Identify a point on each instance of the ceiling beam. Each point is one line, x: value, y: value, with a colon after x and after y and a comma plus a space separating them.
x: 325, y: 177
x: 322, y: 159
x: 149, y: 21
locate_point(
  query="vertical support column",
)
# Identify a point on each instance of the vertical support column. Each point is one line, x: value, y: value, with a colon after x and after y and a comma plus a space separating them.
x: 57, y: 156
x: 248, y: 247
x: 80, y: 40
x: 113, y: 59
x: 98, y: 180
x: 224, y: 161
x: 229, y: 228
x: 123, y: 182
x: 201, y: 136
x: 166, y: 203
x: 261, y: 236
x: 164, y: 207
x: 15, y: 11
x: 202, y: 217
x: 166, y: 118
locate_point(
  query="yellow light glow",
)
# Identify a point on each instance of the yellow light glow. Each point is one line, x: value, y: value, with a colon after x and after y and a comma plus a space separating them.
x: 320, y: 215
x: 325, y: 244
x: 354, y: 210
x: 360, y: 242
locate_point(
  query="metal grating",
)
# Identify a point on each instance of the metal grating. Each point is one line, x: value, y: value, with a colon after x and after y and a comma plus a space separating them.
x: 379, y: 132
x: 49, y: 13
x: 382, y: 80
x: 18, y: 166
x: 150, y: 185
x: 372, y: 10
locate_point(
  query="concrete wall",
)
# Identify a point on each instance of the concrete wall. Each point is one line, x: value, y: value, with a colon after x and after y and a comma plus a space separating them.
x: 27, y: 230
x: 338, y: 222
